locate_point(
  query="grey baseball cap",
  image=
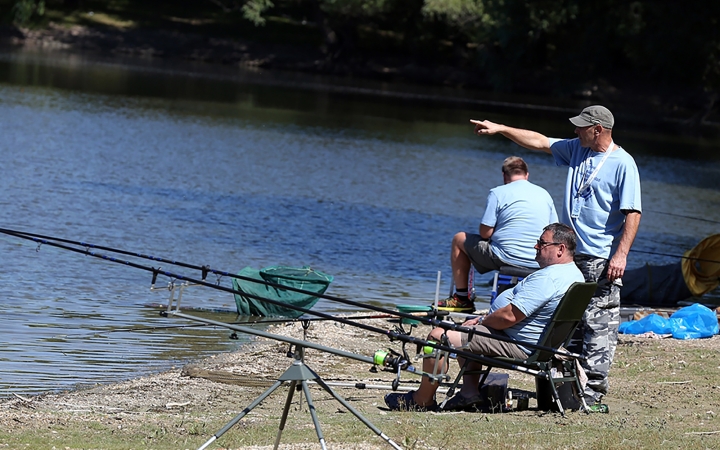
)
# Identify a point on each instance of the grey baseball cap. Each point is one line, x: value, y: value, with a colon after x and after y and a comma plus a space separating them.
x: 594, y: 115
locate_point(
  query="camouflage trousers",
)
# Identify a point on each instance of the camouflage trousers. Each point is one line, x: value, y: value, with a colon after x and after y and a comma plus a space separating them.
x: 596, y: 337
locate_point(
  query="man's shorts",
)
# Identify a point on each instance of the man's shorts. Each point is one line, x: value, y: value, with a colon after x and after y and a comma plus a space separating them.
x: 488, y: 346
x: 480, y: 254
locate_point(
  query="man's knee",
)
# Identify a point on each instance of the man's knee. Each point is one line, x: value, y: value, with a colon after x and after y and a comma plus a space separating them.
x: 436, y: 334
x: 459, y: 240
x: 445, y: 337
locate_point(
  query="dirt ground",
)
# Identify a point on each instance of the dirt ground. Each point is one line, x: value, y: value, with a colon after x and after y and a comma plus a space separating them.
x: 669, y: 384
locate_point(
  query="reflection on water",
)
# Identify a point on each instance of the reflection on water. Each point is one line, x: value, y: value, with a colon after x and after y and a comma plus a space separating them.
x: 233, y: 170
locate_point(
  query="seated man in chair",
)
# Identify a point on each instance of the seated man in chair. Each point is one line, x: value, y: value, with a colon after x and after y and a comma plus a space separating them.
x: 527, y: 310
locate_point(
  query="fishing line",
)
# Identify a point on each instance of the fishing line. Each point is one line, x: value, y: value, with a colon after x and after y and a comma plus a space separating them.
x: 100, y: 333
x: 677, y: 256
x: 389, y: 333
x: 684, y: 217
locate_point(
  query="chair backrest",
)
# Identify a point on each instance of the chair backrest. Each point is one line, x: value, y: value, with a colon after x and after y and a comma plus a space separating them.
x: 565, y: 319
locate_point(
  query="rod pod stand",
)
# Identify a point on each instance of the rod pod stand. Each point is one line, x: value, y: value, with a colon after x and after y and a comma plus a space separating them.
x: 298, y: 375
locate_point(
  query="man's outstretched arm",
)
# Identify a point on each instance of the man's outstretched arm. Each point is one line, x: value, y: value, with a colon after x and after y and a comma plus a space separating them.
x: 531, y: 140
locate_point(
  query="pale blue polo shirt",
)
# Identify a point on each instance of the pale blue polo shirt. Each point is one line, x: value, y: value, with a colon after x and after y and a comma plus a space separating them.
x: 599, y: 222
x: 537, y: 296
x: 518, y: 211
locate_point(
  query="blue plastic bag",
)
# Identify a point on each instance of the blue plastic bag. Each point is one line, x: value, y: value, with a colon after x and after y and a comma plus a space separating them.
x: 692, y: 322
x: 653, y: 322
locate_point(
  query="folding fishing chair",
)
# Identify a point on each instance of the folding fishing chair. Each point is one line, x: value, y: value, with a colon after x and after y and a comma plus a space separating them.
x: 508, y: 277
x: 557, y: 334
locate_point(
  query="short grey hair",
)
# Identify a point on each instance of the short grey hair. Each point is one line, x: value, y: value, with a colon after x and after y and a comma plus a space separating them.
x: 563, y: 234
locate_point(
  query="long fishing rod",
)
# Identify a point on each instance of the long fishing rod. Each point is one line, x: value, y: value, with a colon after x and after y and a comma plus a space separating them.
x: 398, y: 363
x: 380, y: 358
x: 47, y: 240
x: 263, y: 320
x: 260, y: 321
x: 321, y: 319
x: 392, y: 335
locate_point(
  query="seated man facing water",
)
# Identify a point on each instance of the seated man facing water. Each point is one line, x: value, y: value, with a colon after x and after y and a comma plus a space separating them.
x: 527, y: 311
x: 515, y: 215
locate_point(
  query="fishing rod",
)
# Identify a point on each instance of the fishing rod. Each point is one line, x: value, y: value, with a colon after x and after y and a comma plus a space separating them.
x: 262, y: 320
x: 249, y: 322
x: 392, y: 335
x: 48, y: 240
x: 363, y: 317
x: 394, y: 361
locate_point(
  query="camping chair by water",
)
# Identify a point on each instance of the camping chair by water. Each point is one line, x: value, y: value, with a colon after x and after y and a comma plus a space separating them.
x: 557, y: 333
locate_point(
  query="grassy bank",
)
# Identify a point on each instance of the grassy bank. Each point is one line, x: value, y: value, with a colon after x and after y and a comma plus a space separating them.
x: 665, y: 394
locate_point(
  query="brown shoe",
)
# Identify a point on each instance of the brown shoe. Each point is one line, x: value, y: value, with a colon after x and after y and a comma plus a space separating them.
x: 454, y: 304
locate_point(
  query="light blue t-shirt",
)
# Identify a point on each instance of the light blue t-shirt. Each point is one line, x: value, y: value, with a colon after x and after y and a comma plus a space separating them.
x: 537, y: 296
x: 599, y: 220
x: 518, y: 211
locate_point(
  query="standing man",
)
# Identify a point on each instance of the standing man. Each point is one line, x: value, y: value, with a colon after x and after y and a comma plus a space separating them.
x: 514, y: 217
x: 602, y: 205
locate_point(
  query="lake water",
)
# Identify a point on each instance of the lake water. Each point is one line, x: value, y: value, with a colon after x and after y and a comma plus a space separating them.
x: 229, y: 168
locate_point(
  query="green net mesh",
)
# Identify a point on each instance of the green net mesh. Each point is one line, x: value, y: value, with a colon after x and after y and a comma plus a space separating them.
x: 303, y: 278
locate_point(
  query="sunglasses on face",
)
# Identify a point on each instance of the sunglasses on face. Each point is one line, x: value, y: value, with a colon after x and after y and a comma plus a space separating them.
x: 543, y: 244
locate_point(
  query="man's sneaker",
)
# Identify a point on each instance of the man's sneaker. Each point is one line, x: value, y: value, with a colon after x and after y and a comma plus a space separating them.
x: 461, y: 403
x: 454, y: 304
x: 406, y: 402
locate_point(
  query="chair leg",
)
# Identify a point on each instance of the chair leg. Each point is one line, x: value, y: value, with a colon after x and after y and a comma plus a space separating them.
x: 580, y: 394
x: 454, y: 385
x: 486, y: 372
x: 556, y: 396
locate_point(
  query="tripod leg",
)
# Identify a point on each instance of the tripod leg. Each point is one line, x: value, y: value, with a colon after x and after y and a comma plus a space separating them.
x: 313, y: 414
x: 357, y: 414
x: 286, y: 409
x: 244, y: 412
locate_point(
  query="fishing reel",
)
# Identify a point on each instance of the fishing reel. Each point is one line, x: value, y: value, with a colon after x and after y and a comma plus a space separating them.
x: 393, y: 361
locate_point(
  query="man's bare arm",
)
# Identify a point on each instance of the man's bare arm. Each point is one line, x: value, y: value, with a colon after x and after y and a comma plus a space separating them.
x: 504, y: 317
x: 486, y: 232
x: 618, y: 261
x: 531, y: 140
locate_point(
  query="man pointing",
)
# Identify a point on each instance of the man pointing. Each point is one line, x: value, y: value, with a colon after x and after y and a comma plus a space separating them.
x: 602, y: 204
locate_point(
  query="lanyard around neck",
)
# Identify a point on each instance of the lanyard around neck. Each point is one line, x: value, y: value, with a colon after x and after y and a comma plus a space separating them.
x: 597, y: 169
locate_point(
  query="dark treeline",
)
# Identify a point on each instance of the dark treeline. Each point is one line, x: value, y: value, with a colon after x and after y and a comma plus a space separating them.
x: 559, y: 47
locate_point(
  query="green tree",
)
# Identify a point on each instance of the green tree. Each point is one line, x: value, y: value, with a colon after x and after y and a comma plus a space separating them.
x: 252, y: 10
x: 24, y: 10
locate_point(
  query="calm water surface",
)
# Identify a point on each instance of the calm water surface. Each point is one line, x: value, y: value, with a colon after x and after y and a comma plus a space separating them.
x: 213, y: 166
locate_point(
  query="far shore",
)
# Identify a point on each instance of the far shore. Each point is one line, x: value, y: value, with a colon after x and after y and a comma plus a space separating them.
x: 653, y: 108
